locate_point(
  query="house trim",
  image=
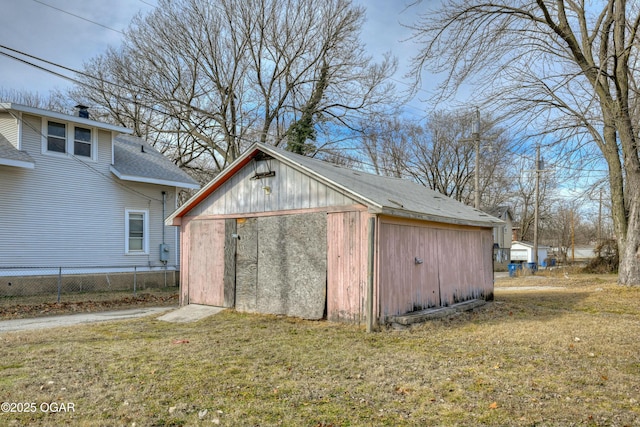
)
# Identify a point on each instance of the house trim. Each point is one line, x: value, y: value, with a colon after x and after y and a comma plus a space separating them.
x: 64, y: 117
x: 145, y: 231
x: 70, y: 128
x: 17, y: 163
x: 152, y: 180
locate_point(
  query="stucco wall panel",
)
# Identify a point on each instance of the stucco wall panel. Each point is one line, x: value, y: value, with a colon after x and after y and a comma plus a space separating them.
x: 292, y: 266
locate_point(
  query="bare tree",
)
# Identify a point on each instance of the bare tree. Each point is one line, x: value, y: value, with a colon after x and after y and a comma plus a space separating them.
x: 387, y: 145
x: 566, y: 68
x: 440, y: 155
x: 211, y: 77
x: 52, y: 101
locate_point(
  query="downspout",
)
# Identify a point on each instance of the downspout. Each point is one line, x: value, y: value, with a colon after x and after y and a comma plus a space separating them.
x: 163, y: 258
x: 370, y: 273
x: 164, y: 202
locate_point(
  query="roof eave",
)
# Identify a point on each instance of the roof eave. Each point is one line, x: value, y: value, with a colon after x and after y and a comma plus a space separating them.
x: 65, y: 117
x: 17, y: 163
x: 156, y: 181
x: 402, y: 213
x: 239, y: 163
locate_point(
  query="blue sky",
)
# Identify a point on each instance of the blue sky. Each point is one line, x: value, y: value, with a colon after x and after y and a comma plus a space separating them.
x: 47, y: 32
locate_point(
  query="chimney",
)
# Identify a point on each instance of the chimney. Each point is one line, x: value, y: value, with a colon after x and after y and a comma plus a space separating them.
x: 82, y: 111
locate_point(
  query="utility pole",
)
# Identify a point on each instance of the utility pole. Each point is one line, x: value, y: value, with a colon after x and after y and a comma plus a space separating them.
x: 475, y: 135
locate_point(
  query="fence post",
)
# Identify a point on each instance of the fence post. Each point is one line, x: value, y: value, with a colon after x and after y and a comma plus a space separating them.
x: 135, y: 278
x: 59, y: 283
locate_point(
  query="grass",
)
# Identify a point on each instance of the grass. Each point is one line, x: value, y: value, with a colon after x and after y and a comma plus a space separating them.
x: 562, y: 356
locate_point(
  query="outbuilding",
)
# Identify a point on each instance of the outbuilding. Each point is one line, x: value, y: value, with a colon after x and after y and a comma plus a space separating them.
x: 280, y: 233
x: 524, y: 252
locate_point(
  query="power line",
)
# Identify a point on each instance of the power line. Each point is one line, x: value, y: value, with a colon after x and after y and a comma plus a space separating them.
x: 85, y: 164
x: 157, y: 110
x: 78, y: 16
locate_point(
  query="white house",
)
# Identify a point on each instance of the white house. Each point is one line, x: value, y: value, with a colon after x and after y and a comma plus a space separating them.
x: 523, y: 252
x: 502, y: 234
x: 79, y: 193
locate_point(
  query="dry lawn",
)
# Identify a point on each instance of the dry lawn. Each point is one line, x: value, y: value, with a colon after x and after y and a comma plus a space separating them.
x: 537, y: 357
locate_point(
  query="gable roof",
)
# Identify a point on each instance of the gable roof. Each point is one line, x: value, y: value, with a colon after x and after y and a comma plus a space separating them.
x: 61, y: 116
x: 381, y: 194
x: 499, y: 212
x: 136, y: 160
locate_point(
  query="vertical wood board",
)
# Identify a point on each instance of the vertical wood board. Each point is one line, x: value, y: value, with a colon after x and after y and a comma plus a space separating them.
x: 206, y: 262
x: 346, y: 266
x: 405, y: 285
x: 289, y: 190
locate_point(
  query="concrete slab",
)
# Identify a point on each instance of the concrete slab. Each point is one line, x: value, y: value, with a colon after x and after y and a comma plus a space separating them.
x: 77, y: 319
x: 190, y: 313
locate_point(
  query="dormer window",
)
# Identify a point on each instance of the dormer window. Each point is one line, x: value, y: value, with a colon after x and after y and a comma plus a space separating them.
x: 57, y: 137
x: 68, y: 139
x: 82, y: 142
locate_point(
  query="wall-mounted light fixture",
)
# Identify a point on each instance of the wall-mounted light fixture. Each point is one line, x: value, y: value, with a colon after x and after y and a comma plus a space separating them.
x: 267, y: 190
x: 261, y: 162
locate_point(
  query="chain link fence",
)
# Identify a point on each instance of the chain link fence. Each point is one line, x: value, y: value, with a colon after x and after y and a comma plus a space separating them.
x: 58, y: 284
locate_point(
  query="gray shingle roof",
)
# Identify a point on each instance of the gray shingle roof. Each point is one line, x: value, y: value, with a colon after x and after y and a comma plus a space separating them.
x: 383, y: 195
x: 10, y: 155
x: 392, y: 196
x: 136, y: 160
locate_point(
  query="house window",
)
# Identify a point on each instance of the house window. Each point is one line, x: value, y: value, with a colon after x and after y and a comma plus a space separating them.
x: 64, y: 139
x: 136, y: 232
x: 56, y: 137
x: 82, y: 142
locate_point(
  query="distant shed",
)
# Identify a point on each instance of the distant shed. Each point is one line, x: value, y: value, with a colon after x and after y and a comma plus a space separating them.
x: 281, y: 233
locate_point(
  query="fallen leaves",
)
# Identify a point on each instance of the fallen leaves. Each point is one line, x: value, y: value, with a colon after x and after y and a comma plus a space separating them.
x: 38, y: 309
x: 403, y: 390
x: 494, y: 405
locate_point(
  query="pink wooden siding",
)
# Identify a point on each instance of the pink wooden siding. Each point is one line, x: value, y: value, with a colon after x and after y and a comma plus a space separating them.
x: 206, y: 262
x: 405, y: 285
x: 463, y: 259
x: 422, y: 265
x: 185, y: 243
x: 346, y: 266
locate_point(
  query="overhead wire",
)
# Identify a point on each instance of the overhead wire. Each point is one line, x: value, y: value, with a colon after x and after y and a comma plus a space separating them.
x: 153, y: 108
x: 78, y: 16
x: 109, y: 178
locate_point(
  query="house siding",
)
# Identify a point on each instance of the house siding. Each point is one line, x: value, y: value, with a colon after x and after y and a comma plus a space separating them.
x: 69, y: 212
x: 289, y: 190
x: 9, y: 129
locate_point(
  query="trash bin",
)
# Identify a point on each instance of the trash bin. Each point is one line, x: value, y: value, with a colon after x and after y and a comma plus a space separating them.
x: 513, y: 268
x: 532, y: 266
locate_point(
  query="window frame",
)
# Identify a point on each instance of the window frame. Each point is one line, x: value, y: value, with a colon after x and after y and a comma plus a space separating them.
x: 80, y: 141
x: 70, y: 140
x: 145, y: 232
